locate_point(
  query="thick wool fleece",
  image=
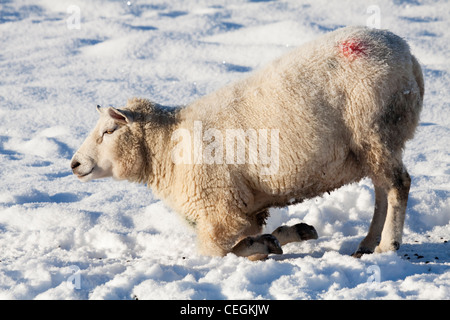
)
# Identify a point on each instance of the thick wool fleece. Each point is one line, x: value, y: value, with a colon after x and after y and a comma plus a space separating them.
x: 343, y: 107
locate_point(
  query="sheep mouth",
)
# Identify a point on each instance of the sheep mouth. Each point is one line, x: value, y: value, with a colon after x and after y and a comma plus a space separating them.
x: 85, y: 174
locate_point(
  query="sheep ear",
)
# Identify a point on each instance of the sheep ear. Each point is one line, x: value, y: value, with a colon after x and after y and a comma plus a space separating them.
x: 121, y: 116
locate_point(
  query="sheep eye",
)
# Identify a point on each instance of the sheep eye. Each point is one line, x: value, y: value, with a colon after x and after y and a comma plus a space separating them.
x: 110, y: 131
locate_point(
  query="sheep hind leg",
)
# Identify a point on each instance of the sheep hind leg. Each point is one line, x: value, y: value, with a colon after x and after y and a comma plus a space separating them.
x: 373, y: 237
x: 397, y: 198
x: 386, y: 228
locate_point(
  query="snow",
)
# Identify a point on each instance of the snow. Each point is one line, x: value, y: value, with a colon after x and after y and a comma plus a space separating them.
x: 62, y: 239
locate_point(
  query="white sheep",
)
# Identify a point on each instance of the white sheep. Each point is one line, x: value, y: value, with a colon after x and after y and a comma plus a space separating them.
x: 326, y: 114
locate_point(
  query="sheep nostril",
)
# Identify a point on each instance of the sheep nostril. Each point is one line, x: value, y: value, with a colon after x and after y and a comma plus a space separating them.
x: 74, y: 165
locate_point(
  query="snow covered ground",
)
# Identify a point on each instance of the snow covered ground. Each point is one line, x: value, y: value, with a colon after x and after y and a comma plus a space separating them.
x: 62, y: 239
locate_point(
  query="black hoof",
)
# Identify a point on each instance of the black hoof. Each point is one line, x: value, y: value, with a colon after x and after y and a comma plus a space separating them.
x: 359, y: 253
x: 305, y: 231
x: 271, y: 242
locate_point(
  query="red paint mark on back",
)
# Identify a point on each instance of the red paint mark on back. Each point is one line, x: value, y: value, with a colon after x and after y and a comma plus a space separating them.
x: 352, y: 48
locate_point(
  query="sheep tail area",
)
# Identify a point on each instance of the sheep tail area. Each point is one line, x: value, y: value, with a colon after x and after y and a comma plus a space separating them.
x: 381, y: 147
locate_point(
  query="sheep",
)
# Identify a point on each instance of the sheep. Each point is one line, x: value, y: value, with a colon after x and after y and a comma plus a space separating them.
x: 328, y: 113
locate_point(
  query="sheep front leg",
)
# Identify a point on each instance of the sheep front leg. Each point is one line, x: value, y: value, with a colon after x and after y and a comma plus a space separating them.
x: 295, y: 233
x: 258, y: 247
x: 213, y: 239
x: 219, y: 231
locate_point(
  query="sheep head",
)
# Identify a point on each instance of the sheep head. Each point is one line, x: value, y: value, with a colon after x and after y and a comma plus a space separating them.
x: 113, y: 149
